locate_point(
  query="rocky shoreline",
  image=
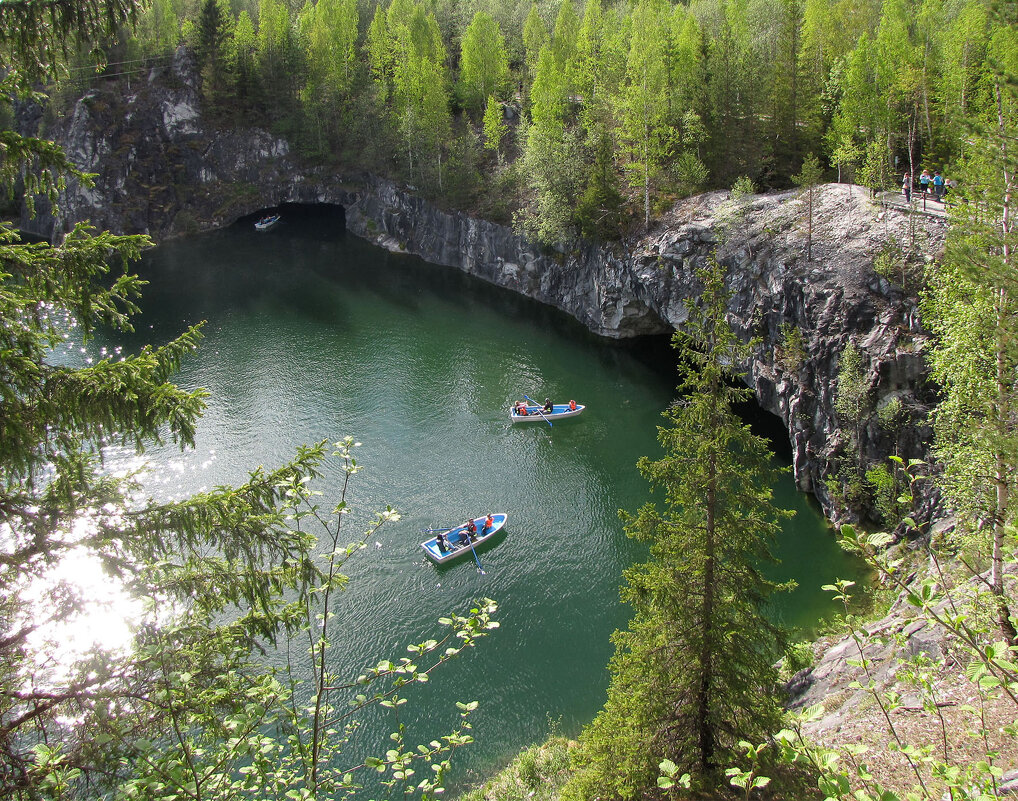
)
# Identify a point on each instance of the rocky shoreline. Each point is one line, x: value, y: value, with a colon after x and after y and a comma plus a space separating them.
x: 162, y: 171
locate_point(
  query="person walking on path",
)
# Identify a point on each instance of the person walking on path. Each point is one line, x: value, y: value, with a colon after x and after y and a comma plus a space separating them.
x: 906, y: 187
x: 938, y: 186
x: 924, y: 180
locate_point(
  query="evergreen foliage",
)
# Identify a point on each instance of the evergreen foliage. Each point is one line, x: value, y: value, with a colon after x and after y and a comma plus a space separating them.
x: 214, y: 33
x: 693, y: 674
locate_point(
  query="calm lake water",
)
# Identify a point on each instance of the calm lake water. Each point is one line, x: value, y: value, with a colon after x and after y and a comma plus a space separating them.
x: 313, y: 333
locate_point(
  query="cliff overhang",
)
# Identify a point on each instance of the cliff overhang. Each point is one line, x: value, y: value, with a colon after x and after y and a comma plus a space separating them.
x: 162, y: 170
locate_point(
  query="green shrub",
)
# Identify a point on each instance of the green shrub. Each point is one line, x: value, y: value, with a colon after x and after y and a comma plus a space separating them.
x: 526, y: 768
x: 690, y: 174
x: 798, y: 655
x: 536, y: 774
x: 790, y: 352
x: 886, y: 492
x: 742, y: 187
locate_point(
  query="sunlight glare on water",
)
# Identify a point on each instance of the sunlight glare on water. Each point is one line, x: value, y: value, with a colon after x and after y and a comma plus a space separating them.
x: 76, y: 609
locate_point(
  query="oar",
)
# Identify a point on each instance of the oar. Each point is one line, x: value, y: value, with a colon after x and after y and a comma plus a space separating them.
x: 470, y: 542
x: 538, y: 405
x: 433, y: 530
x: 476, y: 559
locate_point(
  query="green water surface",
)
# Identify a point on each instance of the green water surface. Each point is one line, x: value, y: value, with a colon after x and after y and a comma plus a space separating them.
x: 313, y: 333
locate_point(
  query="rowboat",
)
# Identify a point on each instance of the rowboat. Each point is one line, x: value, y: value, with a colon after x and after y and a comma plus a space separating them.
x: 456, y: 539
x: 265, y: 223
x: 559, y: 411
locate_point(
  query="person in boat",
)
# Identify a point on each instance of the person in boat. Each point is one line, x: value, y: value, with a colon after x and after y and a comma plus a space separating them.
x: 440, y: 540
x: 548, y: 406
x: 572, y: 405
x: 489, y: 521
x: 521, y: 409
x: 470, y: 529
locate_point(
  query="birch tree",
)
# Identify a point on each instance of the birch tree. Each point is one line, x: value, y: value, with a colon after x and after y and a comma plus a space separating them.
x: 645, y: 128
x: 973, y: 309
x: 484, y: 62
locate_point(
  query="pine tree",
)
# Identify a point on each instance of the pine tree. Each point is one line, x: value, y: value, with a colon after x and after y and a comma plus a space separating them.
x: 215, y: 30
x: 784, y: 77
x: 693, y: 674
x: 56, y: 499
x: 733, y: 78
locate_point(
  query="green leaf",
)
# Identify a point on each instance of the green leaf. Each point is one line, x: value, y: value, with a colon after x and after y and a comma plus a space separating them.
x: 668, y: 767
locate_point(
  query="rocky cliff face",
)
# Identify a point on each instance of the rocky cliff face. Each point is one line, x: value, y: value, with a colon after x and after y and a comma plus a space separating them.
x: 162, y: 171
x: 803, y: 312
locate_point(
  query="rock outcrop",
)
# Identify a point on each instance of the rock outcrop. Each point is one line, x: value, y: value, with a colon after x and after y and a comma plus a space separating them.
x: 886, y: 657
x: 163, y: 171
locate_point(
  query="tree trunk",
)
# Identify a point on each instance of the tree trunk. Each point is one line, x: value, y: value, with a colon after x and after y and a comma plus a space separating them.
x: 1002, y: 482
x: 809, y: 223
x: 646, y: 180
x: 704, y: 726
x: 1003, y: 410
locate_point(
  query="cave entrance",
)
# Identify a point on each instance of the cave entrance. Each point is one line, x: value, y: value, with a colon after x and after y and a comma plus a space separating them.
x: 299, y: 219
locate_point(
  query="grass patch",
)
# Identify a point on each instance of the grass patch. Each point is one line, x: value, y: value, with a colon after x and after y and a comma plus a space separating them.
x: 537, y: 774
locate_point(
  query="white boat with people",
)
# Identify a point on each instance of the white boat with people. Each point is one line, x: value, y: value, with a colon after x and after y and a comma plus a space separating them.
x: 449, y: 543
x: 267, y: 222
x: 523, y: 412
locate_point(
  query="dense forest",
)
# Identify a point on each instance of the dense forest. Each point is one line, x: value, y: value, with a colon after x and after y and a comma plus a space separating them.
x: 571, y: 118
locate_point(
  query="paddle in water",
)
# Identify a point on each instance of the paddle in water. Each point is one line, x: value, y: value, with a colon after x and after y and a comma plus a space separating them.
x: 471, y: 528
x: 538, y: 405
x: 476, y: 559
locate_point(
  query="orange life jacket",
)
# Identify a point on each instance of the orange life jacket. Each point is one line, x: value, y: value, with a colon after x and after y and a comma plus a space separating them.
x: 572, y: 405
